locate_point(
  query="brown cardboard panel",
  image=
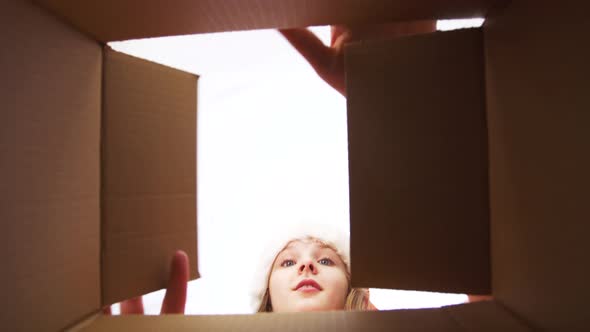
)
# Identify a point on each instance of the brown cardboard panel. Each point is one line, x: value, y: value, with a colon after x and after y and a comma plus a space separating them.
x: 148, y: 174
x: 400, y: 320
x: 418, y: 163
x: 539, y: 121
x: 485, y: 316
x: 111, y: 20
x: 49, y: 169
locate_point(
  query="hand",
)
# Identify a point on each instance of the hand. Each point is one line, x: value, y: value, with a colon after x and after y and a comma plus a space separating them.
x: 368, y: 304
x: 175, y: 298
x: 478, y: 298
x: 328, y: 62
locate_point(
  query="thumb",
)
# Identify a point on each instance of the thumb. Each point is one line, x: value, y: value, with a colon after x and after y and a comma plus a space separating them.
x: 326, y: 61
x: 310, y: 47
x: 175, y: 298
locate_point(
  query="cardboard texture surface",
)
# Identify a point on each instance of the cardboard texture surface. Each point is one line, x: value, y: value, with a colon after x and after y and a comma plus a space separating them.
x: 402, y: 320
x: 485, y: 316
x: 49, y: 166
x: 434, y: 156
x: 539, y: 120
x: 418, y: 163
x: 149, y: 174
x: 111, y: 20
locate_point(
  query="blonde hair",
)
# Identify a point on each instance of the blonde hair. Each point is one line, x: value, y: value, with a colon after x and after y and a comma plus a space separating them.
x: 356, y: 299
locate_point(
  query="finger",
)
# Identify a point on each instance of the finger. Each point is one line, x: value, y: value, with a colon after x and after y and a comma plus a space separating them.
x: 478, y: 298
x: 418, y: 27
x: 132, y: 306
x: 391, y: 30
x: 336, y: 31
x: 371, y: 307
x: 107, y: 310
x: 175, y: 298
x: 310, y: 47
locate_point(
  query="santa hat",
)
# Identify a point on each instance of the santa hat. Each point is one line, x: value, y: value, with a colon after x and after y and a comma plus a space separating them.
x: 280, y: 237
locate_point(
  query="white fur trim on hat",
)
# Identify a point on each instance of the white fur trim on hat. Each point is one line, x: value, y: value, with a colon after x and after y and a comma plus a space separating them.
x: 281, y: 237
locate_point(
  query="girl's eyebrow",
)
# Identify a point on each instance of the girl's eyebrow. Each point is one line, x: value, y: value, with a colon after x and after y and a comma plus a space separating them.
x: 323, y: 252
x: 320, y: 249
x: 285, y: 252
x: 323, y: 246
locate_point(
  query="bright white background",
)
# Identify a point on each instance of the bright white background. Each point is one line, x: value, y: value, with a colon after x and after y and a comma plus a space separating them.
x: 272, y: 149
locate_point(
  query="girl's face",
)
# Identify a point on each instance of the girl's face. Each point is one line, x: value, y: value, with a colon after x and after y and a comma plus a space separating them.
x: 308, y: 276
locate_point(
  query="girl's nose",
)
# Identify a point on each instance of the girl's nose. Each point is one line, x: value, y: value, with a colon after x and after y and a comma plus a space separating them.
x: 309, y: 267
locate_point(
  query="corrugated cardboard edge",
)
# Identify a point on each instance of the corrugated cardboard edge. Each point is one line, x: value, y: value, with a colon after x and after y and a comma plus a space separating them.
x: 406, y: 320
x: 483, y: 316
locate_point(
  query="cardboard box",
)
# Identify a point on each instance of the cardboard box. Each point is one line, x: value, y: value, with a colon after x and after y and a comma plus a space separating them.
x: 478, y: 186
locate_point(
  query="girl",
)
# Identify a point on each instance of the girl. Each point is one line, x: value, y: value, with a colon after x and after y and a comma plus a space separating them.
x: 309, y: 273
x: 309, y: 270
x: 306, y: 271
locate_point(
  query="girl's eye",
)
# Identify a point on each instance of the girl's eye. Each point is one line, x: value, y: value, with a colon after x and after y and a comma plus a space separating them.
x: 326, y: 261
x: 287, y: 263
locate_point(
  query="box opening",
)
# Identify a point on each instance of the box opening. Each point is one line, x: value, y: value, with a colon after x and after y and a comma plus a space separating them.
x: 530, y: 118
x: 266, y: 121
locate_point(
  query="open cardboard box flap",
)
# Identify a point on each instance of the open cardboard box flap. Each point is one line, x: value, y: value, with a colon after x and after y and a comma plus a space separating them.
x: 148, y: 197
x: 417, y: 149
x: 98, y: 161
